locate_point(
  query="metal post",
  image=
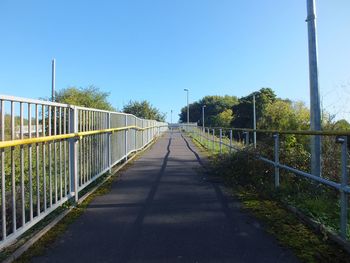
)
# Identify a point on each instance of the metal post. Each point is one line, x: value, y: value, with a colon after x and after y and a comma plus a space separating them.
x: 73, y: 153
x: 277, y: 160
x: 208, y: 138
x: 171, y: 116
x: 109, y: 149
x: 142, y: 134
x: 230, y: 141
x: 254, y: 120
x: 220, y: 141
x: 188, y: 109
x: 53, y: 80
x: 126, y: 138
x: 315, y: 111
x: 213, y: 139
x: 246, y: 138
x: 344, y: 182
x: 203, y: 116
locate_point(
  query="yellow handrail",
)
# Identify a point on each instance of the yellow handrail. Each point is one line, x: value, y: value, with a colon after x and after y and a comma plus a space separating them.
x: 78, y: 135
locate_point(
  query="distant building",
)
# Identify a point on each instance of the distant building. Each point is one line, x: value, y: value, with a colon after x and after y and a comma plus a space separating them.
x: 25, y: 129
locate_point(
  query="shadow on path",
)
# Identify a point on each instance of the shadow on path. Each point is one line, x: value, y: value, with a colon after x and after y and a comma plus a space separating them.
x: 128, y: 244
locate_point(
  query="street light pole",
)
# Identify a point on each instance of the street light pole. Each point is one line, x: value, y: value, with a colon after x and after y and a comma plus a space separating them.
x: 203, y: 106
x: 315, y: 111
x: 188, y: 108
x: 171, y: 116
x: 53, y: 75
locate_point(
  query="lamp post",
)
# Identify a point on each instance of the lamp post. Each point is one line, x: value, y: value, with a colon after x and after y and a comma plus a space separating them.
x: 53, y: 80
x: 315, y: 111
x: 254, y: 120
x: 171, y: 116
x: 188, y: 108
x: 203, y: 106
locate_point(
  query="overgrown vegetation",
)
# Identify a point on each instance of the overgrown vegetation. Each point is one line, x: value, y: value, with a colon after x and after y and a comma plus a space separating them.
x: 252, y: 182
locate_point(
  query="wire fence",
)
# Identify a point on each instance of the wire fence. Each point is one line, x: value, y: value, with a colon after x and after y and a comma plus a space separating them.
x: 51, y: 151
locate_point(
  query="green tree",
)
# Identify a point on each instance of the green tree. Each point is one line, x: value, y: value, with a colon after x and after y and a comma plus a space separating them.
x: 223, y: 119
x: 285, y: 115
x: 215, y: 105
x: 90, y: 97
x: 341, y: 125
x: 243, y: 111
x: 144, y: 109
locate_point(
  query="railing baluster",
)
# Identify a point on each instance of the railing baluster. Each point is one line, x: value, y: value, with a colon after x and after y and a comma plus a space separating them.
x: 277, y: 162
x: 13, y: 170
x: 3, y: 179
x: 344, y: 182
x: 74, y: 153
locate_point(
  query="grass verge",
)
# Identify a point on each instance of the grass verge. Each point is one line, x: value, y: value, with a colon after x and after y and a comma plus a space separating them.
x: 308, y: 245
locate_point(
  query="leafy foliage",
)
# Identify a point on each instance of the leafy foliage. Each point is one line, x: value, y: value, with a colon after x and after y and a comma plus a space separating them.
x: 285, y: 115
x: 215, y: 105
x: 90, y: 97
x: 243, y: 111
x: 143, y: 109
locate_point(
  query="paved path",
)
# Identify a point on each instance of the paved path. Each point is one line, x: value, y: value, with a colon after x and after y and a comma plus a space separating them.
x: 161, y: 210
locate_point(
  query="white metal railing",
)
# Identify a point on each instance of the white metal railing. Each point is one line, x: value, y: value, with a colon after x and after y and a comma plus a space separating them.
x: 213, y: 139
x: 67, y: 148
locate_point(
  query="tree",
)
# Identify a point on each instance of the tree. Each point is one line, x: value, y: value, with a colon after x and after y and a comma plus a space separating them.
x: 215, y: 105
x: 90, y: 97
x: 144, y: 109
x: 341, y: 125
x: 223, y: 119
x: 285, y: 115
x: 243, y: 111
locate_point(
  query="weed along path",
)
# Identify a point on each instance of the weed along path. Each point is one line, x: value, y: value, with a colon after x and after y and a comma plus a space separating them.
x: 163, y: 210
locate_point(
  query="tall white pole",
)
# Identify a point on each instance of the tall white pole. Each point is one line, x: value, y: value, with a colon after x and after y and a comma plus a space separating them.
x: 171, y: 116
x: 315, y: 111
x: 53, y: 80
x: 188, y: 108
x: 254, y: 120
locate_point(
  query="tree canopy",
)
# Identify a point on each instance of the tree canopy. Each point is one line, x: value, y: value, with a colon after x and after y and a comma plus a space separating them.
x: 243, y: 110
x: 215, y: 105
x: 143, y: 109
x: 285, y: 115
x: 90, y: 97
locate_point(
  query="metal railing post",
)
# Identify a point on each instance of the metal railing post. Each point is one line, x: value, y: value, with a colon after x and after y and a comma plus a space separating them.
x: 213, y: 140
x: 126, y: 138
x: 220, y: 141
x: 73, y: 156
x: 277, y: 160
x: 246, y: 135
x: 109, y: 150
x: 208, y: 139
x: 230, y: 141
x: 344, y: 182
x: 142, y: 134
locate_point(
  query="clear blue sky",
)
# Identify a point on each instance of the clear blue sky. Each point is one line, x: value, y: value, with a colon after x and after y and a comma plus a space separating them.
x: 148, y: 49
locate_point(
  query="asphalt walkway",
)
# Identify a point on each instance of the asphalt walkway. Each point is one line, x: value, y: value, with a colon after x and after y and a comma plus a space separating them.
x: 163, y: 210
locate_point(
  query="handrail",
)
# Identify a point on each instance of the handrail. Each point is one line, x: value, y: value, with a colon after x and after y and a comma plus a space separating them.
x: 78, y: 135
x: 325, y: 133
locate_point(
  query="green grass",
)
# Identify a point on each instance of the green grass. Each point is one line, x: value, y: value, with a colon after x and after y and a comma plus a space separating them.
x: 252, y: 182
